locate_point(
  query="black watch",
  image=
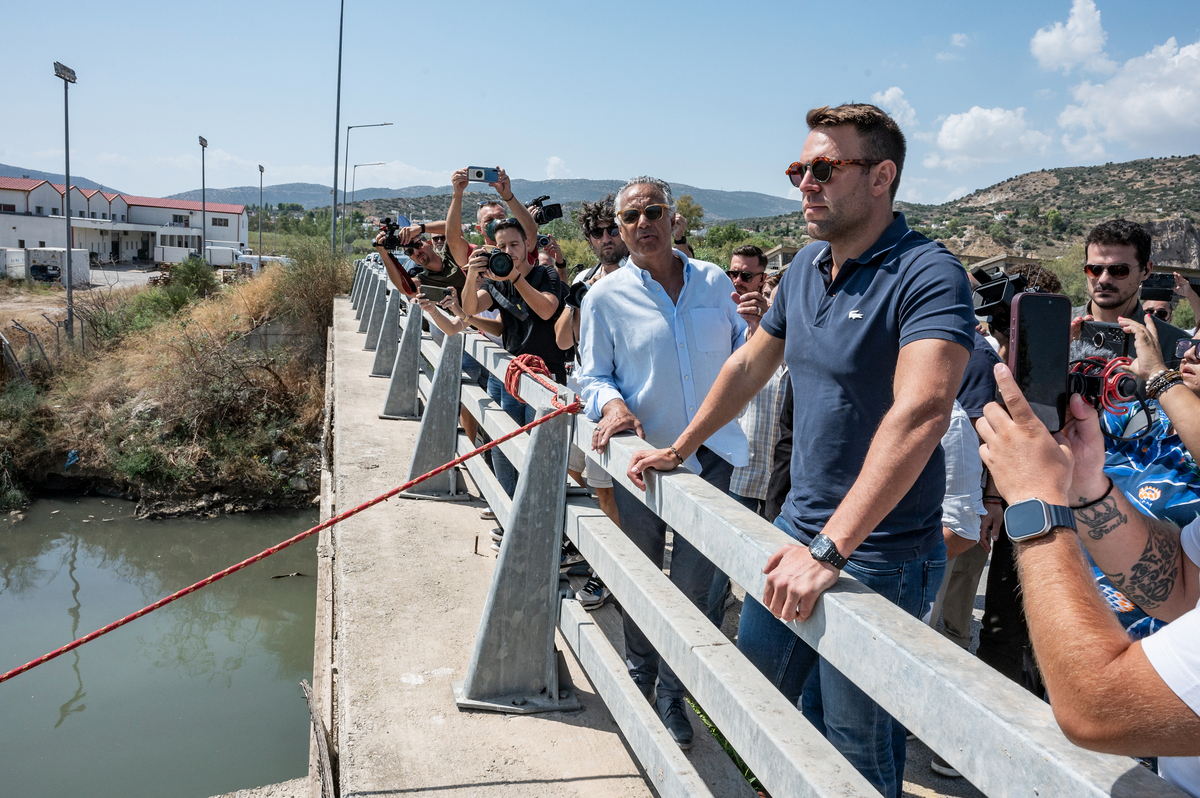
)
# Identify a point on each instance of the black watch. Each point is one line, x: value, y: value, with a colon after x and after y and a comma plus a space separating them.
x: 821, y: 548
x: 1033, y: 518
x: 422, y: 228
x: 681, y: 241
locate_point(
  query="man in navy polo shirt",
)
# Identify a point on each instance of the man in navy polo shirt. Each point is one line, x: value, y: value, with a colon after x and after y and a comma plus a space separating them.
x: 876, y: 324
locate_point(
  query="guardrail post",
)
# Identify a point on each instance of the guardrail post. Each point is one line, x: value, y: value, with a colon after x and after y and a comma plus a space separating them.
x: 359, y: 272
x: 376, y: 311
x: 363, y: 285
x: 437, y: 439
x: 389, y: 338
x: 515, y: 667
x: 402, y: 398
x: 364, y: 310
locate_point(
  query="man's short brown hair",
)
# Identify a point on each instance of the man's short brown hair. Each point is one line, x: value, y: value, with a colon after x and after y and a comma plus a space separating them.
x: 881, y: 136
x: 751, y: 251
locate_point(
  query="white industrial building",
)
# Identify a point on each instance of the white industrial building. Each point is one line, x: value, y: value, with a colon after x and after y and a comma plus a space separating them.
x: 122, y: 226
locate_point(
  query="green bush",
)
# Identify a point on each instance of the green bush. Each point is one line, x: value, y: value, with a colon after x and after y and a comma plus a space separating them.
x: 311, y: 278
x: 194, y: 275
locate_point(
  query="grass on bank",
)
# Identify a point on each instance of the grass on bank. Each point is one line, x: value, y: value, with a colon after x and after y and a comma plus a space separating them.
x: 186, y: 387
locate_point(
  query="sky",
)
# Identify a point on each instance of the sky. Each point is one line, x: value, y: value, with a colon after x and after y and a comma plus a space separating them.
x: 708, y: 94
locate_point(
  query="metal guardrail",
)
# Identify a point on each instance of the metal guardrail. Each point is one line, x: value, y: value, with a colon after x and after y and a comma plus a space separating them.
x: 1002, y: 739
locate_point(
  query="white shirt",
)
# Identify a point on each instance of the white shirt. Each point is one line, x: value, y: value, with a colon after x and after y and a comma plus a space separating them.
x: 963, y: 505
x: 1174, y: 652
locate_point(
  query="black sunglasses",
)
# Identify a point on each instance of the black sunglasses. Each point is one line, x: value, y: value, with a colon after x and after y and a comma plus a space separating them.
x: 597, y: 233
x: 822, y: 168
x: 1118, y: 271
x: 1185, y: 346
x: 1161, y: 313
x: 734, y: 274
x: 413, y: 246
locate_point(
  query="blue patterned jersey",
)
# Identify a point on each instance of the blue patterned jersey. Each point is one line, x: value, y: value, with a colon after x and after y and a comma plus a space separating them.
x: 1156, y: 472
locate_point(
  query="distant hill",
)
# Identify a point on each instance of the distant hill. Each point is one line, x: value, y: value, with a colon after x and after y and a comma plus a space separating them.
x: 1045, y: 213
x: 717, y: 204
x: 76, y: 180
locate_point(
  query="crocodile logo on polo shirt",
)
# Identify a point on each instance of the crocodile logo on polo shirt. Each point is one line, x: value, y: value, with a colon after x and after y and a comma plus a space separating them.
x: 856, y: 314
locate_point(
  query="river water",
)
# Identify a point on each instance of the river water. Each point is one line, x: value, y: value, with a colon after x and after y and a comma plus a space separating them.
x: 199, y: 698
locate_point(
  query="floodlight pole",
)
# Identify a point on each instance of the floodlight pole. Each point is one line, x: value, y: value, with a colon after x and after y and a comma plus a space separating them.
x: 260, y: 213
x: 68, y: 77
x: 344, y: 170
x: 337, y: 135
x: 203, y: 204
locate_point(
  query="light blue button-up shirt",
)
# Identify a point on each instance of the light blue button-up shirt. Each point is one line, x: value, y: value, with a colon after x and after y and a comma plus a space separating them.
x: 661, y: 357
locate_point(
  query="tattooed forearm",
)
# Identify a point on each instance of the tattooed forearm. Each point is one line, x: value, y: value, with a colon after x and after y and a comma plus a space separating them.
x: 1102, y: 518
x: 1150, y: 581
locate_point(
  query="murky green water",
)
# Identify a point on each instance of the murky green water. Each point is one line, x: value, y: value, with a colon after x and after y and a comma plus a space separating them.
x: 199, y: 698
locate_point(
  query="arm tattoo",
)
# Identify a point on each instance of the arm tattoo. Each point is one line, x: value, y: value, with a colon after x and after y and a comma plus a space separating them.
x: 1150, y: 581
x: 1102, y: 518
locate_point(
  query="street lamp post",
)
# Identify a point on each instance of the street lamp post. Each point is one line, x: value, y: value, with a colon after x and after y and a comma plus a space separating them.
x: 260, y: 213
x: 68, y: 77
x: 353, y: 183
x: 337, y: 135
x: 344, y: 169
x: 203, y: 204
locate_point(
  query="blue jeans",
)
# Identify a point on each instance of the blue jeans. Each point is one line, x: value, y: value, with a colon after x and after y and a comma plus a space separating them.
x: 872, y: 741
x: 519, y: 412
x: 691, y: 571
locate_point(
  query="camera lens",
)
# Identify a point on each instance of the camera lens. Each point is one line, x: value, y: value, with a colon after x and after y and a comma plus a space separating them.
x: 1098, y: 340
x: 577, y: 293
x: 500, y: 263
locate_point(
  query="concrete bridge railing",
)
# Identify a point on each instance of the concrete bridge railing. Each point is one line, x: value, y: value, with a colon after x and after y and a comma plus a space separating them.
x: 1001, y: 738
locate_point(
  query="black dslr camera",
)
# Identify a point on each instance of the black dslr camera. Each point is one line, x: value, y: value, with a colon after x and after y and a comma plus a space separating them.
x: 576, y: 294
x: 499, y: 262
x: 545, y: 213
x: 392, y: 240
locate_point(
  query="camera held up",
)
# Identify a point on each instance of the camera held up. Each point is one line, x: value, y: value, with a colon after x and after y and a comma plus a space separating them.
x: 499, y: 262
x: 544, y: 214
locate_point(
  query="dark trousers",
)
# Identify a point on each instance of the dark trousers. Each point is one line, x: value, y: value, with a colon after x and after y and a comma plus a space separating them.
x: 1004, y: 639
x: 691, y: 571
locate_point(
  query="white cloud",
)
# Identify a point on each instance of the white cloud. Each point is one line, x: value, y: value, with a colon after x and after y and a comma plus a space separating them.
x: 948, y: 56
x: 912, y: 194
x: 1079, y: 43
x: 959, y: 39
x: 985, y: 135
x: 1152, y: 102
x: 556, y: 168
x: 894, y: 103
x: 961, y: 191
x: 1045, y: 94
x: 1085, y: 148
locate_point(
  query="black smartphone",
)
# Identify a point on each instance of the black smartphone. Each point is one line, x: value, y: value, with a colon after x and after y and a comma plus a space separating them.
x: 433, y: 293
x: 1039, y: 344
x: 1158, y: 286
x: 1107, y: 336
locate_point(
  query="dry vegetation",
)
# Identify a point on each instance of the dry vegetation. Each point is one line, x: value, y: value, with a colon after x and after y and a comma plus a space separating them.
x: 182, y: 396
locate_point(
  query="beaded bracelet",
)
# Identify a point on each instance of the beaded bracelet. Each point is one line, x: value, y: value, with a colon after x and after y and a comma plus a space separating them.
x: 678, y: 456
x: 1162, y: 381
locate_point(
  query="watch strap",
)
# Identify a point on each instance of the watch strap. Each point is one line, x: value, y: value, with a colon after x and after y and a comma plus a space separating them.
x: 827, y: 552
x: 1060, y: 516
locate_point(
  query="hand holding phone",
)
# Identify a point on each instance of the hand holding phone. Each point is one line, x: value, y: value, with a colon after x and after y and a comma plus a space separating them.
x: 482, y: 174
x: 1039, y: 354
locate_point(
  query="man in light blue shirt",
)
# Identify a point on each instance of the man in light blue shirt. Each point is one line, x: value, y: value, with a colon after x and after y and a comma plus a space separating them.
x: 654, y: 337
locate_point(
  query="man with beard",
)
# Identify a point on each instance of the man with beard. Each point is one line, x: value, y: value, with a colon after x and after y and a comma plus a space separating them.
x: 1116, y: 261
x: 879, y: 325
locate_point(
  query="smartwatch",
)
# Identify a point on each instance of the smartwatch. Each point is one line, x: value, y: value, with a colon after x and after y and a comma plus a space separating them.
x: 821, y: 548
x: 1033, y: 518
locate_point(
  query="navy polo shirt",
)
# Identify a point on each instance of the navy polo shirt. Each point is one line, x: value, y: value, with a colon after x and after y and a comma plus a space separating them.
x: 842, y: 342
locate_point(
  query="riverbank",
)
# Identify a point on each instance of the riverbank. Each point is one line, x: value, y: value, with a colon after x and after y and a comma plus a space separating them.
x: 193, y: 399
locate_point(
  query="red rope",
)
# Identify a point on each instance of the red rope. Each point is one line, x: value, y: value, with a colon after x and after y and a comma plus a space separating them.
x: 535, y: 367
x: 574, y: 407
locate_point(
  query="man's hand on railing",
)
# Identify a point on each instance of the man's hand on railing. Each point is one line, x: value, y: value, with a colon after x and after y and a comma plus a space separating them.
x: 657, y: 459
x: 615, y: 417
x: 794, y: 583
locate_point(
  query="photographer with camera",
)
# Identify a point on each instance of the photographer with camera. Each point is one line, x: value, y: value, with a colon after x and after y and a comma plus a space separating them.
x: 1108, y: 693
x: 528, y: 298
x: 437, y: 269
x: 490, y: 213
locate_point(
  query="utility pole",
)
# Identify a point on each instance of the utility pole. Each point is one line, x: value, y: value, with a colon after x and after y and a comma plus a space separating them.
x: 260, y: 214
x: 345, y: 168
x: 337, y: 135
x: 68, y: 77
x: 203, y: 204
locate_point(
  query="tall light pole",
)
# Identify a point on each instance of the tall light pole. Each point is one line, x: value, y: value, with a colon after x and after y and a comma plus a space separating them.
x: 337, y: 135
x: 353, y: 183
x: 260, y: 213
x: 344, y: 168
x: 68, y: 77
x: 203, y: 204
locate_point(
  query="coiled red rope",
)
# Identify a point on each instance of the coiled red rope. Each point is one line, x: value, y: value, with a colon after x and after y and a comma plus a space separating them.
x: 573, y: 407
x: 535, y: 367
